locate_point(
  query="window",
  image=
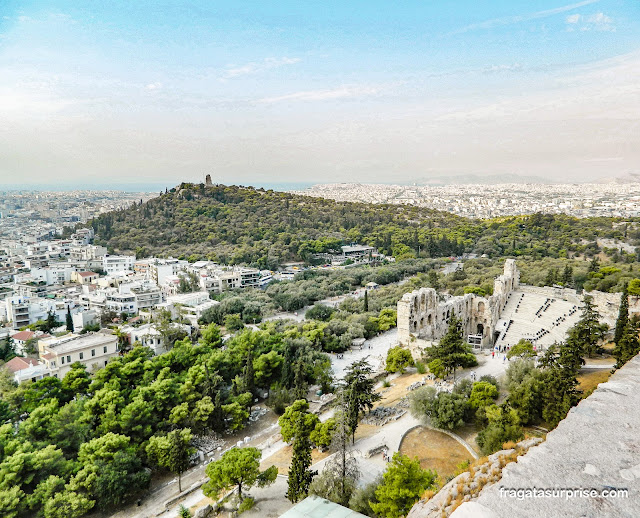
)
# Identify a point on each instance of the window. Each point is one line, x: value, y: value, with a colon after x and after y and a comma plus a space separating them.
x: 104, y: 349
x: 82, y: 356
x: 68, y: 359
x: 105, y: 362
x: 93, y: 352
x: 62, y: 360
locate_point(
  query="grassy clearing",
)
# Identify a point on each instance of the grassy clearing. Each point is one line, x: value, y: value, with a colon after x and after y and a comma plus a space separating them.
x: 435, y: 450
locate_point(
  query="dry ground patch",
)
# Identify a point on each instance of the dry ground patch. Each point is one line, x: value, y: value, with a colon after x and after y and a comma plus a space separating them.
x: 282, y: 459
x: 435, y: 450
x: 588, y: 381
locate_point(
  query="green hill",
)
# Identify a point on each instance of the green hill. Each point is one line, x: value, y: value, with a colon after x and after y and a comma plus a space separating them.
x: 233, y: 225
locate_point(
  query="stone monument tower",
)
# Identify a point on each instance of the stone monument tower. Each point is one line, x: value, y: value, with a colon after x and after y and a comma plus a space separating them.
x: 208, y: 181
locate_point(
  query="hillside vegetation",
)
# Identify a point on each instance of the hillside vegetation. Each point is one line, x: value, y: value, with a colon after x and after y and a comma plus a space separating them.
x: 236, y: 225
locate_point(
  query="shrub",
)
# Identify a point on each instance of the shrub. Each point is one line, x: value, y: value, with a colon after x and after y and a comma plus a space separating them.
x: 398, y: 359
x: 246, y: 504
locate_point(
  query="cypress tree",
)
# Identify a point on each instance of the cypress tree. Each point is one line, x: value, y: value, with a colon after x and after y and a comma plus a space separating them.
x: 248, y: 377
x: 69, y: 320
x: 299, y: 382
x: 628, y: 345
x: 366, y: 300
x: 623, y: 316
x: 300, y: 475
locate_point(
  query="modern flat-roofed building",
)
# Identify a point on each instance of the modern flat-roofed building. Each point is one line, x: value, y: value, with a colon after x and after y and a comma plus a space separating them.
x: 117, y: 263
x: 92, y: 349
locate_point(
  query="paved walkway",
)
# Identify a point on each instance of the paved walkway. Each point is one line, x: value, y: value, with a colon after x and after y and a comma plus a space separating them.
x: 376, y: 349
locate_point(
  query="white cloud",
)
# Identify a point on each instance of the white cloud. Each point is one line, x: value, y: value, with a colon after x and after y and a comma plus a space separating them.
x: 595, y: 22
x: 154, y: 86
x: 508, y: 20
x: 234, y: 71
x: 342, y: 92
x: 515, y: 67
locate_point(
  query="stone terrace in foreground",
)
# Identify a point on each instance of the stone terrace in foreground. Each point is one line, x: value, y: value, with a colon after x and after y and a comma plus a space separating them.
x: 596, y: 447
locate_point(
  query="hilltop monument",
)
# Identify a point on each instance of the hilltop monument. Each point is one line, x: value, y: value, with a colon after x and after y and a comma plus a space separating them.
x: 207, y: 181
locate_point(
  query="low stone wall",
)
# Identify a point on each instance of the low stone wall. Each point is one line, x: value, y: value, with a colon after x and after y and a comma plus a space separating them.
x: 467, y: 486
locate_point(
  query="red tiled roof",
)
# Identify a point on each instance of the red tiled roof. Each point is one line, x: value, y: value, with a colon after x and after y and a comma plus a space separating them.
x: 17, y: 364
x: 23, y: 336
x: 48, y: 356
x: 87, y: 274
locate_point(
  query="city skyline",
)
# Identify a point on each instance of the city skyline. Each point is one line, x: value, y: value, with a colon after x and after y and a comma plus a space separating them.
x: 268, y: 93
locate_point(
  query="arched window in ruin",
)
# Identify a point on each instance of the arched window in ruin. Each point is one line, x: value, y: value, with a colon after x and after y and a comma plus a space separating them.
x: 480, y: 307
x: 429, y: 319
x: 480, y: 329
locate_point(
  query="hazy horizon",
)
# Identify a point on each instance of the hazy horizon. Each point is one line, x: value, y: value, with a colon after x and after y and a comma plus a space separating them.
x: 266, y: 93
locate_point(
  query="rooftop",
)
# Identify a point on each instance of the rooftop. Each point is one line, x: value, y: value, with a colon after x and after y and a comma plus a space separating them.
x: 24, y: 335
x: 74, y: 342
x: 17, y: 364
x: 316, y: 507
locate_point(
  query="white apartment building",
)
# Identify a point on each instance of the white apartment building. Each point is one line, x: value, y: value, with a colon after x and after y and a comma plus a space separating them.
x: 122, y: 303
x: 190, y: 305
x: 147, y: 294
x: 85, y: 318
x: 92, y: 350
x: 117, y: 263
x: 87, y: 252
x: 148, y: 336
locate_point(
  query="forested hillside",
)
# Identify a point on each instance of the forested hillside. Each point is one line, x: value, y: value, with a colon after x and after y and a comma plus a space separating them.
x: 235, y: 225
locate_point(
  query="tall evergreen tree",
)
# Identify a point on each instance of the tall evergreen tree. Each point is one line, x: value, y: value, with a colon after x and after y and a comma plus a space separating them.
x: 300, y: 476
x: 69, y: 320
x: 588, y: 331
x: 567, y: 276
x: 51, y: 322
x: 366, y: 300
x: 452, y: 350
x: 629, y: 344
x: 623, y: 316
x: 248, y: 375
x: 300, y: 387
x: 172, y: 451
x: 359, y: 393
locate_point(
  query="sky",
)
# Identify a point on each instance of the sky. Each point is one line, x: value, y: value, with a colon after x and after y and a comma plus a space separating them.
x: 262, y: 93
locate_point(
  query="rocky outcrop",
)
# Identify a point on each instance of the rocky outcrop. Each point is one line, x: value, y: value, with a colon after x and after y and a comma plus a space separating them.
x: 467, y: 486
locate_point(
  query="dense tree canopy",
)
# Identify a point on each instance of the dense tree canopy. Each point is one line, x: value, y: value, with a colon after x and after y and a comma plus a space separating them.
x: 233, y: 225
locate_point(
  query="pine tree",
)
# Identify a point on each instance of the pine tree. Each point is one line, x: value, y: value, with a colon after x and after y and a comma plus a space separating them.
x: 623, y: 316
x: 69, y: 320
x: 300, y: 475
x: 567, y: 276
